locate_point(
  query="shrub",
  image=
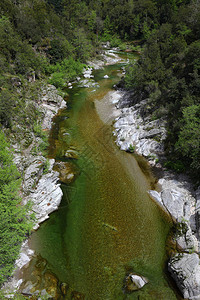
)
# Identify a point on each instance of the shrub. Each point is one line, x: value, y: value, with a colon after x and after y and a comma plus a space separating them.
x: 65, y: 71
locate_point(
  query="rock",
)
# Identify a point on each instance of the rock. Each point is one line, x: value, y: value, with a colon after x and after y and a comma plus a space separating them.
x: 71, y: 154
x: 51, y: 103
x: 47, y: 196
x: 25, y: 254
x: 88, y: 83
x: 51, y: 283
x: 33, y: 172
x: 64, y: 288
x: 28, y: 288
x: 152, y: 133
x: 87, y: 73
x: 131, y: 129
x: 187, y: 241
x: 134, y: 282
x: 198, y: 211
x: 41, y: 263
x: 174, y: 202
x: 185, y: 270
x: 66, y: 170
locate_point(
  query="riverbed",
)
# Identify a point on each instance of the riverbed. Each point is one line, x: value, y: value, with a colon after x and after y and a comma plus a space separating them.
x: 106, y: 226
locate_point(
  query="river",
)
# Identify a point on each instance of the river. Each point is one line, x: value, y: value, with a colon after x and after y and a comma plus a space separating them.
x: 106, y: 225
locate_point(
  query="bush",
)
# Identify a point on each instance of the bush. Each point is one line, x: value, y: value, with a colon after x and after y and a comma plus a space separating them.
x: 65, y: 71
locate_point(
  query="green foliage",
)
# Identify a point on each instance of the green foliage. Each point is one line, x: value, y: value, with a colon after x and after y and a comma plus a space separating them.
x: 176, y: 165
x: 46, y: 166
x: 65, y: 71
x: 131, y: 149
x: 6, y: 107
x: 168, y: 74
x: 13, y: 222
x: 43, y: 143
x: 59, y: 49
x: 188, y: 144
x: 180, y: 228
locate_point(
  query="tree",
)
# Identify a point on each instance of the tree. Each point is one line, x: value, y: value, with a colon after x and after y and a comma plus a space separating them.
x: 188, y: 144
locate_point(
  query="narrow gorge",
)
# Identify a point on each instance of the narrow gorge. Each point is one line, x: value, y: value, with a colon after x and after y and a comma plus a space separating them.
x: 106, y: 227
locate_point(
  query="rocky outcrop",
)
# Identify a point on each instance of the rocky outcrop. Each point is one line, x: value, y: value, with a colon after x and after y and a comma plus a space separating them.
x: 51, y: 102
x: 46, y: 197
x: 198, y: 212
x: 145, y: 135
x: 135, y: 131
x: 108, y: 57
x: 185, y: 269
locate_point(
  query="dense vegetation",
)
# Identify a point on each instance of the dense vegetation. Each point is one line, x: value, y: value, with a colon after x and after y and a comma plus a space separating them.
x: 50, y: 40
x: 13, y: 221
x: 168, y: 74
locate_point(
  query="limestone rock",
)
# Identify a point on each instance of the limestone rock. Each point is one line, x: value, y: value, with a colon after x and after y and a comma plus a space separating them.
x: 131, y: 129
x: 87, y: 73
x: 88, y: 83
x: 135, y: 282
x: 33, y: 172
x: 51, y: 103
x: 187, y: 241
x: 25, y: 255
x: 198, y: 211
x: 46, y: 197
x: 174, y: 202
x: 185, y: 270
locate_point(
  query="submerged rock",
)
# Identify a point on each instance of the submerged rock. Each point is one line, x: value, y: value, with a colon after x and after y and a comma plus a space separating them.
x: 134, y: 282
x: 51, y: 283
x: 185, y: 270
x: 64, y: 288
x: 71, y: 154
x: 66, y: 170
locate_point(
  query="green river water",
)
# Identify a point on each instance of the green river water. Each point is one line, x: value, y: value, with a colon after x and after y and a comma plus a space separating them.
x: 106, y: 226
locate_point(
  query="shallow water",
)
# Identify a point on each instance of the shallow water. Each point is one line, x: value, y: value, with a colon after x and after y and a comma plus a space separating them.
x: 106, y: 225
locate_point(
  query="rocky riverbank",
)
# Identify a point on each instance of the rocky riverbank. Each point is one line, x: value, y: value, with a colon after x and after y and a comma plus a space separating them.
x: 174, y: 193
x: 40, y: 184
